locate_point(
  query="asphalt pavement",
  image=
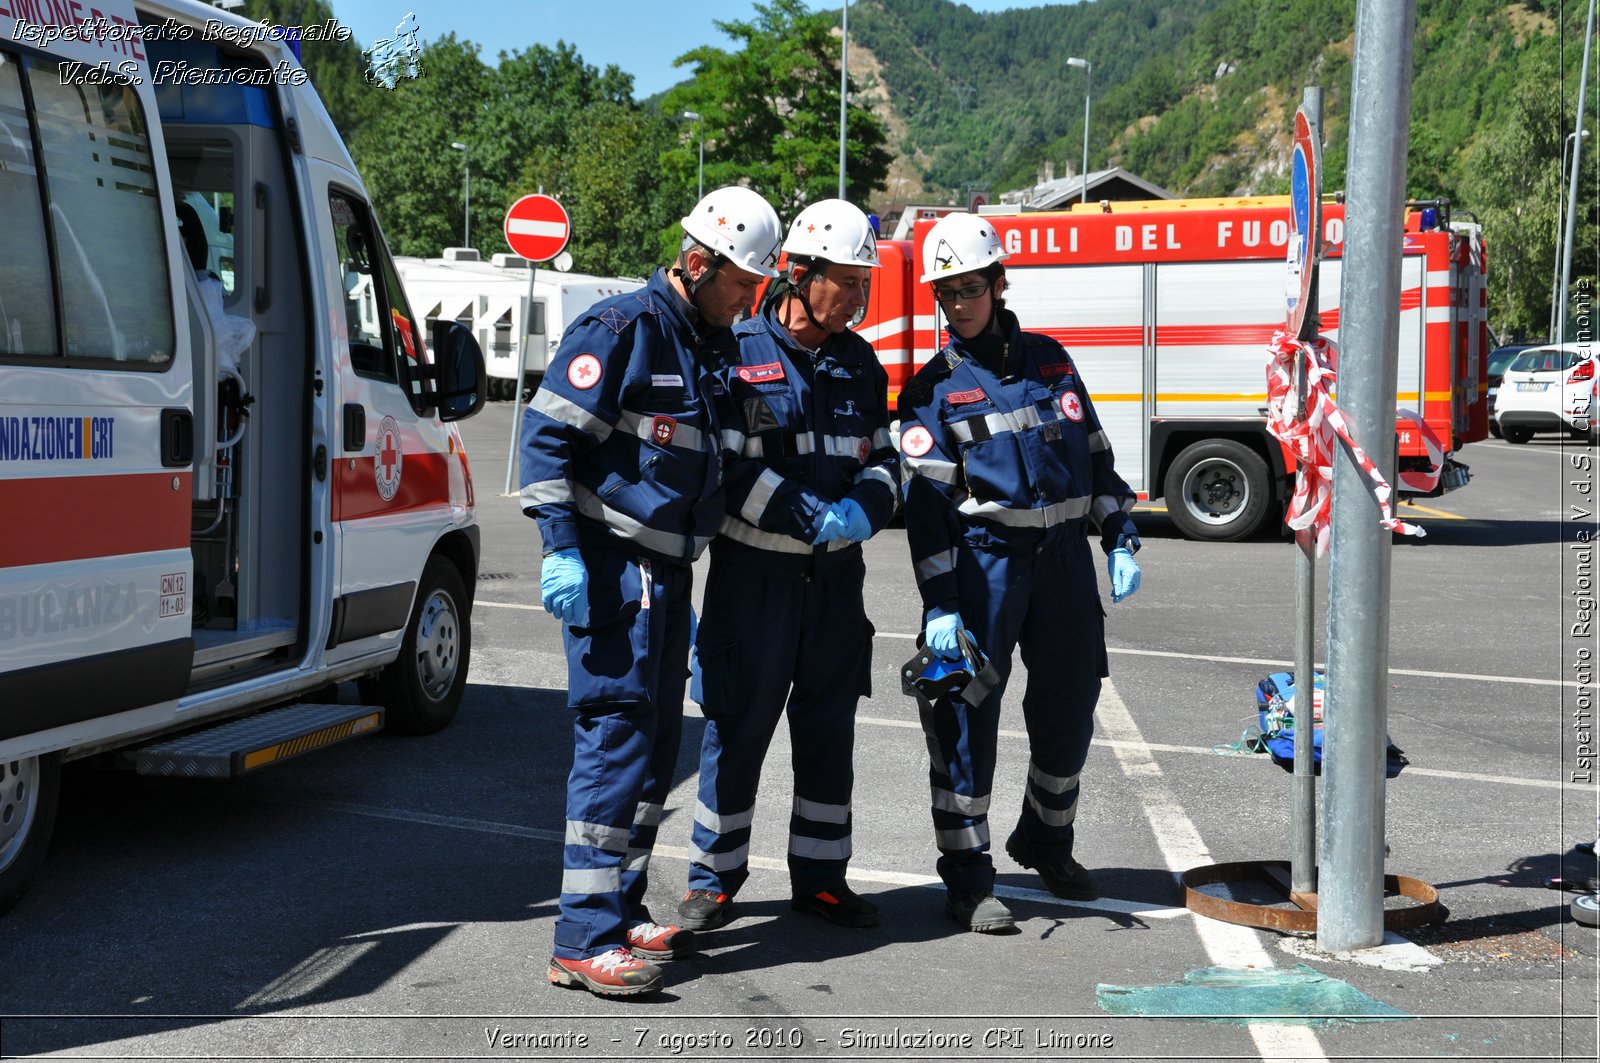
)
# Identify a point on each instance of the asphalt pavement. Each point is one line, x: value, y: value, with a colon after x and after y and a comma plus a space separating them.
x: 394, y: 897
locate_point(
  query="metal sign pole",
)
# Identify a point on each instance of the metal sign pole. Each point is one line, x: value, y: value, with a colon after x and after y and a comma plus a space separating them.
x: 522, y: 376
x: 1356, y: 707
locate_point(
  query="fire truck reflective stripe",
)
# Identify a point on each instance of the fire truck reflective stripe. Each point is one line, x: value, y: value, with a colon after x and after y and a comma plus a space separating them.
x: 591, y: 880
x: 818, y: 812
x: 756, y: 502
x: 94, y: 516
x: 950, y: 801
x: 972, y: 837
x: 883, y: 476
x: 647, y: 815
x: 643, y: 426
x: 719, y: 861
x: 740, y: 532
x: 1099, y: 441
x: 1043, y: 517
x: 1105, y: 505
x: 425, y: 485
x: 1437, y: 315
x: 627, y: 528
x: 1053, y: 817
x: 636, y: 860
x: 820, y: 848
x: 722, y: 824
x: 545, y: 492
x: 597, y: 836
x: 1101, y: 336
x: 935, y: 565
x: 932, y: 468
x: 569, y: 413
x: 884, y: 329
x: 1436, y: 278
x: 1056, y: 784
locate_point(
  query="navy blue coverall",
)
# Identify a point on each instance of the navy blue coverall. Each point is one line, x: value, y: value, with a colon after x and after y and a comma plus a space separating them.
x: 621, y: 458
x: 784, y: 625
x: 1006, y: 467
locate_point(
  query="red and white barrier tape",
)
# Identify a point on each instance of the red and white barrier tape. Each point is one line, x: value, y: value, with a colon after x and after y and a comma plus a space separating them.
x: 1313, y: 440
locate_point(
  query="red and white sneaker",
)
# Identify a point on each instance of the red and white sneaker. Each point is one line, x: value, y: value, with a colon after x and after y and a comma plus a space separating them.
x: 611, y: 974
x: 657, y: 943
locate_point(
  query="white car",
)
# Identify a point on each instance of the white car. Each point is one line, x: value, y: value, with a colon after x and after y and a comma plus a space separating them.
x: 1547, y: 389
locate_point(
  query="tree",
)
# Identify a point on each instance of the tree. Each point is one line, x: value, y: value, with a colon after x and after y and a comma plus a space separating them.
x: 772, y: 112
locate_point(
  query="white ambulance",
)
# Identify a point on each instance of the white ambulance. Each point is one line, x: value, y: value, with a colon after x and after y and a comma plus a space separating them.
x: 228, y: 476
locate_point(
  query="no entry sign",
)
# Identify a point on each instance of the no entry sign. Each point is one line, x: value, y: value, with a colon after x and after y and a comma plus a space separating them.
x: 537, y: 227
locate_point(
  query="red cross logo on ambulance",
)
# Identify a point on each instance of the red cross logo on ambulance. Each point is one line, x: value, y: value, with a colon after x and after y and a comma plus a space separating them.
x: 584, y: 372
x: 917, y: 441
x: 386, y: 469
x: 662, y: 429
x: 1072, y: 406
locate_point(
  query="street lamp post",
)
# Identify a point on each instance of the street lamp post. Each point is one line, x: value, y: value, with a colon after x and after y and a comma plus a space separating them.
x: 844, y: 86
x: 700, y: 125
x: 1572, y: 197
x: 1555, y: 294
x: 466, y: 209
x: 1088, y: 84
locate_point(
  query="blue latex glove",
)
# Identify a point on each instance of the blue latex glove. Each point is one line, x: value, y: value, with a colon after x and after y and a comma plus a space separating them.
x: 697, y: 692
x: 564, y: 587
x: 857, y: 528
x: 1124, y: 572
x: 833, y: 526
x: 942, y: 635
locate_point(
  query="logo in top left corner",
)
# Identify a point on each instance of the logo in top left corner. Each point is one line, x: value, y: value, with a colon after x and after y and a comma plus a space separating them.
x: 386, y: 469
x: 584, y: 372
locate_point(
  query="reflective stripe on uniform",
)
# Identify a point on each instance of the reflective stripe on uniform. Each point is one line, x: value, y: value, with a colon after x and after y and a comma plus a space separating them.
x: 997, y: 423
x: 740, y: 532
x: 882, y: 475
x: 636, y: 860
x: 719, y: 823
x: 1105, y: 505
x: 756, y: 502
x: 643, y: 425
x: 818, y: 812
x: 844, y: 446
x: 732, y: 440
x: 932, y: 468
x: 546, y: 492
x: 1056, y: 784
x: 647, y: 815
x: 1053, y: 817
x: 1099, y: 441
x: 597, y: 836
x: 950, y: 801
x: 819, y: 848
x: 972, y: 837
x: 591, y: 880
x: 935, y: 565
x: 719, y: 861
x: 569, y: 413
x: 1043, y: 517
x: 661, y: 542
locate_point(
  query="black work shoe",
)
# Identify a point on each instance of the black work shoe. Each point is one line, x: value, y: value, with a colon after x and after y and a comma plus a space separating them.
x: 704, y: 910
x: 1062, y: 875
x: 980, y: 913
x: 841, y: 906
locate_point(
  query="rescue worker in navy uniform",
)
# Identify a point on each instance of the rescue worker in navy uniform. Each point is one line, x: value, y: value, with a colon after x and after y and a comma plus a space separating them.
x: 1007, y: 469
x: 621, y: 466
x: 811, y: 473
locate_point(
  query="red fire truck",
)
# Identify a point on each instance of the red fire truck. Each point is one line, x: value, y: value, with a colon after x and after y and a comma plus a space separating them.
x: 1167, y: 307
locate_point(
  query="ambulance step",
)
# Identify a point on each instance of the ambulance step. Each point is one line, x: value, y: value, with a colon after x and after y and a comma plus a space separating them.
x: 241, y: 746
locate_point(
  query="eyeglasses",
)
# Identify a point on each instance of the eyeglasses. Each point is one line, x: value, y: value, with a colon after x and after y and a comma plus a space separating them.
x: 960, y: 295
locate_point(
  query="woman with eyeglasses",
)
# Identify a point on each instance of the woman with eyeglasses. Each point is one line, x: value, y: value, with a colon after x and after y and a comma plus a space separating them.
x: 1006, y: 472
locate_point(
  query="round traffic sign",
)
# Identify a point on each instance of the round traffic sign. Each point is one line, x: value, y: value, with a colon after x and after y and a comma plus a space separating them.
x: 537, y: 227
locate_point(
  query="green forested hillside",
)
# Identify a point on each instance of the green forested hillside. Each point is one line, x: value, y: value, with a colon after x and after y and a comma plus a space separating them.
x: 1198, y: 97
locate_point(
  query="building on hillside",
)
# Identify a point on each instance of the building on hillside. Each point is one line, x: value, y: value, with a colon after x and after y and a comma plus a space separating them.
x: 1060, y: 193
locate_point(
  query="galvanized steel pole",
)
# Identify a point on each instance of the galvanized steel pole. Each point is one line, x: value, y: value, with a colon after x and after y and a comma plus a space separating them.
x: 1572, y: 195
x: 1350, y: 888
x: 844, y: 87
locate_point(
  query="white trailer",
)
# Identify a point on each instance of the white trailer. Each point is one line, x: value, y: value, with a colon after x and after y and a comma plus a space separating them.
x: 491, y: 299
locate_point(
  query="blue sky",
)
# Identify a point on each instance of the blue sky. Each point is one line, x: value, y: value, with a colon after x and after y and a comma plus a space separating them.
x: 640, y: 36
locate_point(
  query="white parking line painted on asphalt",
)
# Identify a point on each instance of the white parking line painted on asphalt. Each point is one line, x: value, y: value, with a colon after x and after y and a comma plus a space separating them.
x: 1182, y: 847
x: 1525, y: 449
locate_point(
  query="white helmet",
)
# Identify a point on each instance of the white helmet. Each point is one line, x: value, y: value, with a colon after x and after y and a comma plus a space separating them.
x: 835, y: 231
x: 738, y: 224
x: 959, y: 243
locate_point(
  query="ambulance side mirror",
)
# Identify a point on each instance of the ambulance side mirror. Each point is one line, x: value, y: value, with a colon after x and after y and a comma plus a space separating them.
x: 462, y: 381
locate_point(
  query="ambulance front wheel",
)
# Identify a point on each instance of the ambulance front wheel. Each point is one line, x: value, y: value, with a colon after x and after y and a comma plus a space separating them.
x: 1218, y: 490
x: 29, y: 791
x: 422, y: 689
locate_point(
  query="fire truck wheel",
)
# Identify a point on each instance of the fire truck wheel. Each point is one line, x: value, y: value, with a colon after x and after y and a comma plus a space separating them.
x: 422, y: 689
x: 1516, y: 434
x: 29, y: 790
x: 1218, y: 491
x: 1586, y: 909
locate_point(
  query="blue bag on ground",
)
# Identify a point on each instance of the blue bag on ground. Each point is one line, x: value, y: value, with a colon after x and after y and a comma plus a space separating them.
x: 1276, y: 706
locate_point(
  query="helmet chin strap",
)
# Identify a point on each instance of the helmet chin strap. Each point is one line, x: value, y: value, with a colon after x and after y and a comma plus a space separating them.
x: 692, y: 285
x: 799, y: 290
